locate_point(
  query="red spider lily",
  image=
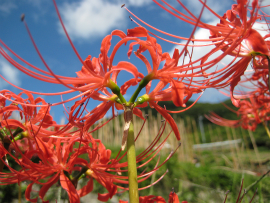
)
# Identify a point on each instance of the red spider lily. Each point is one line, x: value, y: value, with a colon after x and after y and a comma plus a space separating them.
x: 251, y: 114
x: 170, y: 70
x: 232, y: 35
x: 20, y: 137
x: 91, y: 77
x: 173, y: 198
x: 177, y: 92
x: 36, y: 121
x: 256, y: 45
x: 95, y: 74
x: 197, y: 70
x: 100, y: 73
x: 214, y: 118
x: 102, y: 69
x: 99, y: 158
x: 235, y: 26
x: 152, y: 199
x: 103, y: 174
x: 59, y: 158
x: 108, y: 101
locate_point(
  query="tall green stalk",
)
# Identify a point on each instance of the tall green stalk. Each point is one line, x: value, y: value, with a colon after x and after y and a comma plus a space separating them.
x: 20, y: 193
x: 131, y: 158
x: 59, y: 194
x: 128, y: 137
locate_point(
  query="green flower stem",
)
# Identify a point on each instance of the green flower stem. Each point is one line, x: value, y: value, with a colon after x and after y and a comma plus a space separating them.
x: 17, y: 131
x: 81, y: 174
x: 20, y: 193
x: 266, y: 129
x: 3, y: 133
x: 68, y: 175
x: 59, y: 194
x: 141, y: 100
x: 18, y: 137
x: 132, y: 167
x: 116, y: 90
x: 128, y: 138
x: 255, y: 183
x: 142, y: 84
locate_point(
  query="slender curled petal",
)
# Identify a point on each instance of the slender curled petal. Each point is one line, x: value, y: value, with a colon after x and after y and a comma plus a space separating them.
x: 129, y: 67
x: 152, y: 199
x: 178, y: 91
x: 257, y: 42
x: 48, y: 185
x: 251, y: 112
x: 87, y: 188
x: 168, y: 117
x: 173, y: 198
x: 137, y: 32
x: 214, y: 118
x: 69, y: 187
x: 27, y: 193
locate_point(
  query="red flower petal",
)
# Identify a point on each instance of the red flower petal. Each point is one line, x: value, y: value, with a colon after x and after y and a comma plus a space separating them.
x: 178, y: 93
x: 87, y: 188
x: 47, y: 186
x: 27, y: 193
x: 173, y: 198
x: 168, y: 117
x: 69, y: 187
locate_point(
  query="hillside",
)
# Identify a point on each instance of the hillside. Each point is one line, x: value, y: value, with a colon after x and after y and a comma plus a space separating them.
x: 200, y: 109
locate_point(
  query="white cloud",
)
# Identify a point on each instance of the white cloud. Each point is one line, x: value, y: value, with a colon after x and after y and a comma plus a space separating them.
x: 6, y: 7
x: 10, y: 73
x: 262, y: 28
x: 138, y: 2
x: 86, y: 19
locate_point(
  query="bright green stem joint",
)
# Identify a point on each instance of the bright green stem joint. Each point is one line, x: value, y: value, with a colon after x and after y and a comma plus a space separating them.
x: 17, y: 131
x: 18, y: 135
x: 142, y: 84
x: 81, y: 174
x: 142, y: 99
x: 132, y: 167
x: 116, y: 90
x: 3, y: 133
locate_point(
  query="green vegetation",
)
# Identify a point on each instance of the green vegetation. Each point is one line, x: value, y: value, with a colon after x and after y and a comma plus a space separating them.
x: 201, y: 109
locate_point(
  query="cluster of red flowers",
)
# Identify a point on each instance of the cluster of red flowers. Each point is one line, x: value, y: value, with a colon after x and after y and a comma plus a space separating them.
x: 173, y: 198
x: 58, y: 148
x: 235, y: 36
x: 48, y: 153
x: 253, y: 51
x: 251, y: 113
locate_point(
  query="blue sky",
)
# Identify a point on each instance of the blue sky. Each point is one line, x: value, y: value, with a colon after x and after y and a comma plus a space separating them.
x: 87, y: 22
